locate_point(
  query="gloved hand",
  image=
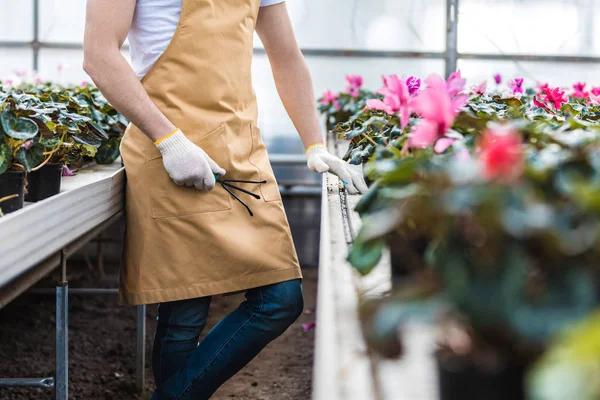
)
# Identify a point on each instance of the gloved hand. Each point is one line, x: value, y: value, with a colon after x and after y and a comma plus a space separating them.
x: 186, y: 163
x: 321, y: 161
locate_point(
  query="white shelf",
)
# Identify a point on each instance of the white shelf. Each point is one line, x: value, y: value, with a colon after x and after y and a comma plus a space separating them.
x: 344, y: 369
x: 39, y: 230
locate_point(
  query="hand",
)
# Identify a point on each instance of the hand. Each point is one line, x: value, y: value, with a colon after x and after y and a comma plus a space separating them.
x: 321, y: 161
x: 186, y: 163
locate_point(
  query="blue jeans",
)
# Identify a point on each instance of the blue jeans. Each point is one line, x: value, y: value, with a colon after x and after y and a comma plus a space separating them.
x: 185, y: 369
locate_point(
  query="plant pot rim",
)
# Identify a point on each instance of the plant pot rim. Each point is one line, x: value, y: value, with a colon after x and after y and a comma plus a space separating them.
x: 13, y: 172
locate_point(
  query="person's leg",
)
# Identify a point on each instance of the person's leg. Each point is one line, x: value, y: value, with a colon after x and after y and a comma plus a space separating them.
x: 179, y: 325
x: 265, y: 314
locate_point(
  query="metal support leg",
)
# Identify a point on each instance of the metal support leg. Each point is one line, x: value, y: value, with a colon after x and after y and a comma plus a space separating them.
x: 62, y: 333
x: 451, y: 55
x: 140, y: 376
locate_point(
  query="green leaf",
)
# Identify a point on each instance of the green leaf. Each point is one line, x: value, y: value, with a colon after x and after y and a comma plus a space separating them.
x: 364, y: 256
x: 49, y: 142
x: 18, y: 128
x: 86, y: 139
x: 32, y: 157
x: 5, y: 157
x: 108, y: 151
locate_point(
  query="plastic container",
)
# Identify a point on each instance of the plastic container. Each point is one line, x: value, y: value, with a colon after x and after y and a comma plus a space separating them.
x: 44, y: 182
x: 463, y: 381
x: 12, y: 182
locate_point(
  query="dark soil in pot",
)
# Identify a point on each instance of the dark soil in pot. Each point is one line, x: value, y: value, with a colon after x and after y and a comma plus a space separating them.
x: 44, y: 182
x: 11, y: 183
x: 460, y: 379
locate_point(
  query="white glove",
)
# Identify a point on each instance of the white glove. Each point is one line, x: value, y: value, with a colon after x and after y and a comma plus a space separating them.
x: 186, y: 163
x: 321, y: 161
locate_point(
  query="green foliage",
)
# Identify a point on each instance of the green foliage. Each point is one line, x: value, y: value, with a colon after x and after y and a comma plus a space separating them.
x: 515, y: 258
x: 108, y: 151
x: 65, y: 124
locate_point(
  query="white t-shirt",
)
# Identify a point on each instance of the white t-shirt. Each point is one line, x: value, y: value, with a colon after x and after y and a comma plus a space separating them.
x: 154, y: 23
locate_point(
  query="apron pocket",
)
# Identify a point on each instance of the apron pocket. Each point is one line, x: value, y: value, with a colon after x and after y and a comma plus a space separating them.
x: 260, y: 159
x: 171, y: 200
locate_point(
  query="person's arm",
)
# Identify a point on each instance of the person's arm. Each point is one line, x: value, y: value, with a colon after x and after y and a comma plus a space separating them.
x: 295, y: 88
x: 106, y: 27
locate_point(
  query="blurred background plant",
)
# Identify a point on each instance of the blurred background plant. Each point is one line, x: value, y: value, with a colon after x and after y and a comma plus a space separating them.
x: 489, y: 202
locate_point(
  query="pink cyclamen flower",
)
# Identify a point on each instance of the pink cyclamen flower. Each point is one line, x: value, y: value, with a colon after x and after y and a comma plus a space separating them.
x: 442, y: 144
x: 414, y: 84
x: 579, y: 91
x: 595, y: 99
x: 330, y: 98
x: 396, y: 99
x: 37, y: 79
x: 21, y: 72
x: 556, y: 97
x: 516, y: 85
x: 596, y: 91
x: 501, y: 152
x: 480, y: 89
x: 308, y: 326
x: 66, y: 171
x: 455, y: 83
x: 498, y: 79
x: 84, y: 83
x: 355, y: 82
x: 26, y: 145
x: 438, y: 108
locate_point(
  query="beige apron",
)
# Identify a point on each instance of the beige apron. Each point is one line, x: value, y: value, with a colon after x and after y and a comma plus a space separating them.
x: 182, y: 243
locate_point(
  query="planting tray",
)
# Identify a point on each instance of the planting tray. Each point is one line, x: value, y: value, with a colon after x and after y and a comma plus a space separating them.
x: 344, y: 368
x: 40, y: 230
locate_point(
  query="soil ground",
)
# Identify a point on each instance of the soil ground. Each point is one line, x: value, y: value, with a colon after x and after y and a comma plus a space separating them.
x: 102, y: 346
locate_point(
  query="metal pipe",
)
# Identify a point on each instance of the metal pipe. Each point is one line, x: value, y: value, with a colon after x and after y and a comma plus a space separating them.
x: 451, y: 55
x: 28, y: 382
x: 140, y: 359
x: 82, y: 291
x: 532, y: 58
x: 62, y: 341
x: 287, y: 159
x: 36, y: 34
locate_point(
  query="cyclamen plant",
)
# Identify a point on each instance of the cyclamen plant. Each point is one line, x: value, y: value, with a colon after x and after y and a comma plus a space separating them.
x: 503, y: 187
x: 339, y: 107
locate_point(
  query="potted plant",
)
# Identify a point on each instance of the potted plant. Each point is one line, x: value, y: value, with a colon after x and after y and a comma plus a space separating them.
x: 18, y: 154
x: 512, y: 243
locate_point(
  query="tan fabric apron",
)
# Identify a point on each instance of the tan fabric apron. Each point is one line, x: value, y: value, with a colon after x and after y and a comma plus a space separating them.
x: 182, y: 243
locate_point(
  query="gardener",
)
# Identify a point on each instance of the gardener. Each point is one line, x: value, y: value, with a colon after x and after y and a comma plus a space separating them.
x: 194, y: 120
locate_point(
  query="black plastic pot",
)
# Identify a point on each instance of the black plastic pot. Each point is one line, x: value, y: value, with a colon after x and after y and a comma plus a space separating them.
x: 12, y: 182
x: 406, y: 255
x: 464, y: 381
x: 44, y: 182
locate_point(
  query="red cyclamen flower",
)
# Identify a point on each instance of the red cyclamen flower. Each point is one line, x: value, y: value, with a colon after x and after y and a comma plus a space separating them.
x: 555, y: 96
x: 579, y: 91
x: 501, y: 152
